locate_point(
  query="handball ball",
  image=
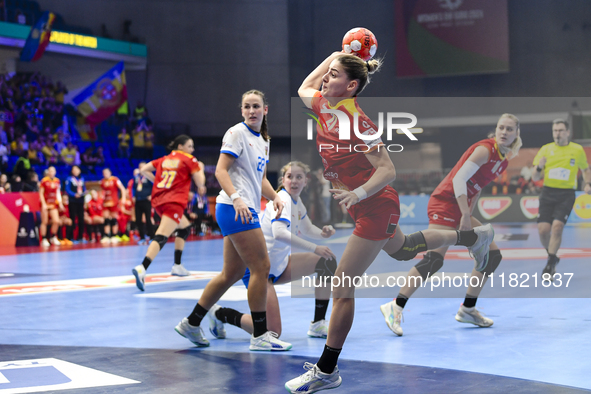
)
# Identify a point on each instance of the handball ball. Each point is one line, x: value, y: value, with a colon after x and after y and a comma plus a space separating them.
x: 360, y: 42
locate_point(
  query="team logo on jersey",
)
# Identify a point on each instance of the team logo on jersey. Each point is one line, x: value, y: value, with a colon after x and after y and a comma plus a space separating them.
x: 491, y: 207
x: 530, y: 206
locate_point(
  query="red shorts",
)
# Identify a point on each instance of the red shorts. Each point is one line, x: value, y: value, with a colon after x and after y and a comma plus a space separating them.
x: 171, y: 210
x: 376, y: 217
x: 444, y: 211
x: 113, y: 209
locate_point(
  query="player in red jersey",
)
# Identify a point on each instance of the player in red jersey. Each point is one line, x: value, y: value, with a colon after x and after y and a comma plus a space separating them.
x: 111, y: 186
x: 66, y: 221
x: 451, y: 206
x: 51, y: 200
x: 125, y: 214
x: 361, y: 169
x: 170, y: 196
x: 94, y: 219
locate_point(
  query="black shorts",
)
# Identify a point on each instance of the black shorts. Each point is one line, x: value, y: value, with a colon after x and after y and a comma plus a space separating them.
x: 555, y: 204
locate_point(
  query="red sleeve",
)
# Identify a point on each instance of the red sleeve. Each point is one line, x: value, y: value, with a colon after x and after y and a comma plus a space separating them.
x: 316, y: 102
x: 156, y: 163
x: 194, y: 165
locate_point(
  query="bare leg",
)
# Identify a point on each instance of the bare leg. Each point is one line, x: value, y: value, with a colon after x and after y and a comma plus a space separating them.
x: 555, y: 237
x: 544, y: 230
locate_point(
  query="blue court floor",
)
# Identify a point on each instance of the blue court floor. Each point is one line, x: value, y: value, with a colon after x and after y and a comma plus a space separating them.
x: 73, y: 319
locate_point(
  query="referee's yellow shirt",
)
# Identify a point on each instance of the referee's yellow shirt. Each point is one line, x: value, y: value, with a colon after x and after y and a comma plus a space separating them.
x: 562, y: 164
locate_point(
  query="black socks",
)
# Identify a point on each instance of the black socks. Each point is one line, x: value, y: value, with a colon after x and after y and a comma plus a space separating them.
x: 401, y: 300
x: 197, y: 315
x: 320, y: 310
x: 229, y: 315
x: 177, y: 256
x: 147, y: 261
x: 466, y: 238
x: 328, y: 360
x: 259, y: 323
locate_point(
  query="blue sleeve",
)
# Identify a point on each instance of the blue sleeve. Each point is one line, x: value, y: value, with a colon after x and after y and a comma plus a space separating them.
x: 69, y: 188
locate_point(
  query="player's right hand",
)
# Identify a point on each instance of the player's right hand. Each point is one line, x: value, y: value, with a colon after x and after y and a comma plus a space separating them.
x: 242, y: 210
x: 542, y: 162
x: 324, y: 251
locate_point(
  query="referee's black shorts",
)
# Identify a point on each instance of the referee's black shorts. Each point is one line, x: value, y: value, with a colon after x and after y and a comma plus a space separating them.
x: 555, y: 204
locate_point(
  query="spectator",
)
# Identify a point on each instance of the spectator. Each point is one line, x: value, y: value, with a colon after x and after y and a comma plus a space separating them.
x: 198, y: 212
x: 140, y: 112
x: 4, y: 185
x: 32, y: 182
x: 33, y: 153
x: 20, y: 145
x: 3, y: 137
x: 4, y: 152
x: 99, y: 156
x: 22, y: 166
x: 50, y: 154
x: 139, y: 142
x: 149, y: 143
x: 123, y: 138
x: 69, y: 154
x: 59, y: 143
x: 88, y: 159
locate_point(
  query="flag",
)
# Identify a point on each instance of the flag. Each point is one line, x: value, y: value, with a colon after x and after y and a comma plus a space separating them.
x: 38, y: 38
x: 102, y: 97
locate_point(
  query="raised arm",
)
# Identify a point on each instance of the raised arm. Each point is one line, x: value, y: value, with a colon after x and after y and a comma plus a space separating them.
x: 313, y: 81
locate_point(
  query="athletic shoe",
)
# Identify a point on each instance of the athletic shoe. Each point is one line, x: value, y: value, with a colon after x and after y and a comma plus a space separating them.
x: 314, y: 380
x: 393, y: 315
x: 106, y: 240
x: 479, y: 251
x: 550, y: 268
x: 124, y: 238
x: 55, y: 241
x: 268, y: 341
x: 179, y: 270
x: 318, y: 329
x: 142, y: 242
x: 45, y: 242
x: 66, y: 242
x: 192, y: 333
x: 115, y: 240
x: 140, y: 276
x: 216, y: 327
x: 76, y: 242
x: 472, y: 316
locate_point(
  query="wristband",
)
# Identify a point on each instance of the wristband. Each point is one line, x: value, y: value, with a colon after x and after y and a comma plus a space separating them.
x: 234, y: 196
x: 538, y: 169
x: 360, y: 193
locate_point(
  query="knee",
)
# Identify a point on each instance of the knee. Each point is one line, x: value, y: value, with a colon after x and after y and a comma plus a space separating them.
x: 413, y: 244
x: 231, y: 277
x: 430, y: 264
x: 557, y: 228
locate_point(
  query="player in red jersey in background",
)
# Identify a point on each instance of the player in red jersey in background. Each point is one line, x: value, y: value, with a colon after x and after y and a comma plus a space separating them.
x: 451, y: 206
x: 361, y: 170
x: 170, y: 196
x: 94, y: 219
x: 51, y: 200
x: 66, y: 221
x: 111, y: 186
x: 125, y: 214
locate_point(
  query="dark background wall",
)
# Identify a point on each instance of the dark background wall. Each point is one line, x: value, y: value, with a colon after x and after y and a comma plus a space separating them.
x: 204, y: 54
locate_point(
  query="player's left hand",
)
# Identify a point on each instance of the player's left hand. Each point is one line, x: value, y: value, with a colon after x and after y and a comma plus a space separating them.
x: 327, y: 231
x: 278, y: 205
x: 347, y: 198
x: 587, y: 188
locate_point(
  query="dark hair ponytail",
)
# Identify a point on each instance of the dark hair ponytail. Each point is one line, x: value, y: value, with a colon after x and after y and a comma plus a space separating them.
x: 179, y: 140
x: 264, y: 126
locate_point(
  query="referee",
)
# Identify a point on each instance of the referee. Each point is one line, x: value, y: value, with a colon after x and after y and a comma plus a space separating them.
x: 558, y: 163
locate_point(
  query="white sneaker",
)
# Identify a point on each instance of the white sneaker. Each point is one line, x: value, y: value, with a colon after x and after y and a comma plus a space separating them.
x: 55, y: 241
x: 45, y: 242
x: 140, y: 276
x: 472, y: 316
x: 216, y: 327
x: 318, y: 329
x: 115, y: 240
x: 393, y: 315
x: 179, y: 270
x: 479, y: 251
x: 314, y: 380
x: 268, y: 341
x: 106, y: 240
x: 192, y: 333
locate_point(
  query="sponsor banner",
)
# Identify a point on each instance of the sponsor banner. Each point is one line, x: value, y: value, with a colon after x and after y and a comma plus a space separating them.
x: 11, y: 207
x: 491, y: 207
x: 582, y: 209
x: 50, y: 374
x: 413, y: 210
x: 451, y: 37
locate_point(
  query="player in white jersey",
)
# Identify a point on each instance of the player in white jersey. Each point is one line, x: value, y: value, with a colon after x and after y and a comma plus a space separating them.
x: 241, y: 172
x: 281, y: 234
